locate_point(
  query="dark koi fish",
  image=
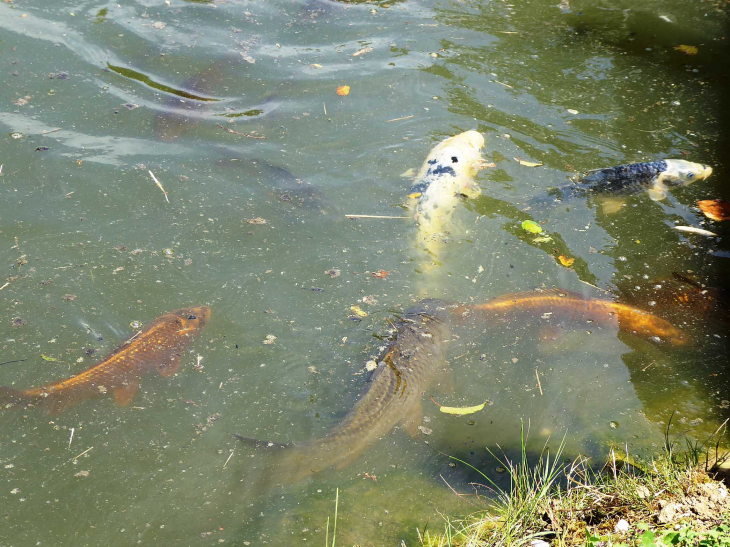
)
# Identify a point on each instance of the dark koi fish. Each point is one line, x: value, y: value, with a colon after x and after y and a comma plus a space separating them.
x: 158, y: 346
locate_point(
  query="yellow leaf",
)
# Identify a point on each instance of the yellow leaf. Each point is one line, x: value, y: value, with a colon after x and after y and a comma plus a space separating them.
x: 542, y: 239
x: 528, y: 163
x: 343, y: 90
x: 315, y: 65
x: 357, y: 311
x: 46, y: 358
x: 415, y: 195
x: 689, y: 50
x: 462, y: 411
x: 565, y: 261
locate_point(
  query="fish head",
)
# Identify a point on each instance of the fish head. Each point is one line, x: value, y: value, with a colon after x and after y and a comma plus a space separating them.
x: 434, y: 317
x: 194, y: 318
x: 682, y: 172
x: 459, y: 156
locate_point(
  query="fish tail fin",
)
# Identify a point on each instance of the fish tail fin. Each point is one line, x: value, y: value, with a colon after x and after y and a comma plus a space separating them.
x: 10, y: 397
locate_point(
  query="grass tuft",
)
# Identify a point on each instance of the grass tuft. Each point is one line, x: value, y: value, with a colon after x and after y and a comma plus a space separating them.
x: 669, y: 499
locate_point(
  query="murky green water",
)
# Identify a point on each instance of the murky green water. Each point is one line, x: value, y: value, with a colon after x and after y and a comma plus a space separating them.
x: 575, y: 86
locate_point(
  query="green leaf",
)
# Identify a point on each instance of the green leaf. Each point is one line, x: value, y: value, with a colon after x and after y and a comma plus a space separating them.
x: 531, y: 226
x: 46, y: 358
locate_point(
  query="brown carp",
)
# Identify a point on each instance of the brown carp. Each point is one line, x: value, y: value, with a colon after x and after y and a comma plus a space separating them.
x: 158, y: 347
x: 393, y: 396
x: 566, y: 305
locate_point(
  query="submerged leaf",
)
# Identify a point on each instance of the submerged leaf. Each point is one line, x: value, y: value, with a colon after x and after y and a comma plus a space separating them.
x: 358, y: 312
x: 689, y: 50
x: 46, y: 358
x: 531, y: 226
x: 716, y: 209
x: 343, y: 90
x: 542, y: 239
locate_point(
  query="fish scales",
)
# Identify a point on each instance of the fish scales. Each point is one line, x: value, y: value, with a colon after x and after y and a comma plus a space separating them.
x: 631, y: 178
x: 157, y: 346
x: 392, y: 395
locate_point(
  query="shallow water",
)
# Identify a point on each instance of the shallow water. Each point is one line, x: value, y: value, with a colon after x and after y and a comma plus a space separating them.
x: 575, y: 86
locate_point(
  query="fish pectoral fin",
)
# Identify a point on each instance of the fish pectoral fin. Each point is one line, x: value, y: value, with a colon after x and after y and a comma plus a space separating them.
x: 413, y: 419
x: 169, y: 368
x: 124, y: 393
x: 259, y: 444
x: 609, y: 206
x: 657, y: 193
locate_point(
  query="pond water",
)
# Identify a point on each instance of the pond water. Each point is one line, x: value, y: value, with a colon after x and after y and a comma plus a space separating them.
x: 96, y: 94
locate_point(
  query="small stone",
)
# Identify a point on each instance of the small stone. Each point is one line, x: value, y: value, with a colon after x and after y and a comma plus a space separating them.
x: 667, y: 514
x: 82, y: 474
x: 622, y: 526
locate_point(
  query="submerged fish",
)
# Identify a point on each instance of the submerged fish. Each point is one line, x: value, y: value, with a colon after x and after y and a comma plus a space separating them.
x: 158, y: 346
x: 566, y: 305
x: 654, y: 177
x: 447, y: 174
x: 393, y: 396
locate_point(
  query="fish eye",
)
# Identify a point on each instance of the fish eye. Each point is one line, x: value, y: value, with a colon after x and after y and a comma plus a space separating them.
x: 690, y: 175
x: 454, y: 159
x: 192, y: 317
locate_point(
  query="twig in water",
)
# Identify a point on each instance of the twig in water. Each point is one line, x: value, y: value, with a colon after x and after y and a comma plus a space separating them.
x: 239, y: 133
x: 71, y: 438
x: 229, y: 459
x: 159, y: 185
x: 647, y: 366
x: 400, y: 119
x: 460, y: 496
x: 325, y: 108
x: 47, y: 131
x: 6, y: 284
x: 372, y: 216
x: 84, y: 452
x: 656, y: 130
x: 538, y: 381
x: 16, y: 361
x: 505, y: 85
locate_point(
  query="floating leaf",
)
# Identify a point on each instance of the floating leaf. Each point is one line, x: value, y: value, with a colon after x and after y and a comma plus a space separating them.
x: 362, y: 51
x: 531, y: 226
x: 689, y: 50
x: 528, y: 163
x: 565, y: 261
x: 382, y: 274
x: 315, y: 65
x: 358, y: 312
x: 716, y: 209
x: 414, y: 195
x: 343, y: 90
x: 463, y: 410
x: 46, y: 358
x: 542, y: 239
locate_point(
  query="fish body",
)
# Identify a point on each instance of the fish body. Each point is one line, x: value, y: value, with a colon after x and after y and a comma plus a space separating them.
x: 654, y: 177
x: 393, y: 395
x: 447, y: 174
x: 158, y: 347
x: 568, y: 306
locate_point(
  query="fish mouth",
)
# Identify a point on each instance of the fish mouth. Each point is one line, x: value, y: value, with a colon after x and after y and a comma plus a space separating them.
x: 706, y: 171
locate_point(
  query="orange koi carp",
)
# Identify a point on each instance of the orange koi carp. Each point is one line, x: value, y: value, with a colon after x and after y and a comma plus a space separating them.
x: 572, y: 306
x: 158, y: 347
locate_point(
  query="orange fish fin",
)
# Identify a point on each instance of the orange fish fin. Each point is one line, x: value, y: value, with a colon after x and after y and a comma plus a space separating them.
x: 57, y: 403
x: 123, y: 394
x: 170, y: 367
x: 413, y: 419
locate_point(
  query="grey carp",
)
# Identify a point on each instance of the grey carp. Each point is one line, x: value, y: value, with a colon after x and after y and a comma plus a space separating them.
x: 393, y: 395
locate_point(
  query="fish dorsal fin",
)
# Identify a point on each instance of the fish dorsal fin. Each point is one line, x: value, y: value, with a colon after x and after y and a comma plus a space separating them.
x: 261, y: 445
x: 124, y: 393
x: 555, y: 292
